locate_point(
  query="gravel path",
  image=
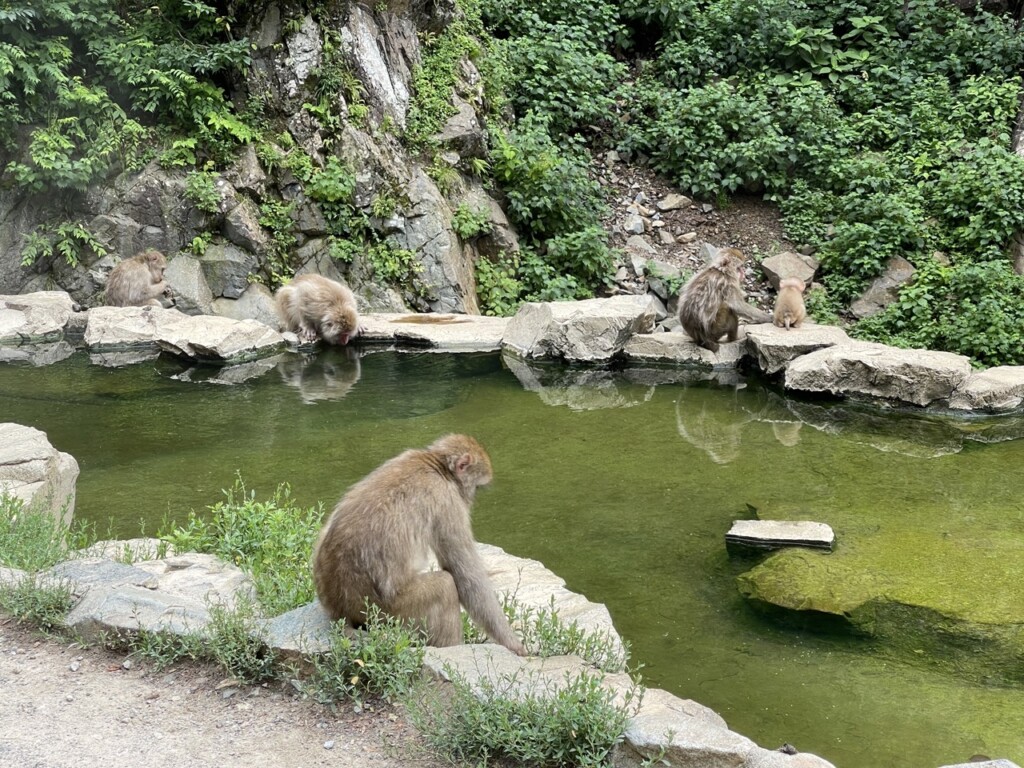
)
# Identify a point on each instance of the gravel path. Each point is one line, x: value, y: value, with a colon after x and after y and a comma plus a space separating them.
x: 66, y: 707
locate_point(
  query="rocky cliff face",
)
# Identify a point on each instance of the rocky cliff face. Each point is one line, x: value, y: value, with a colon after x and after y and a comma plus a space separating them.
x: 258, y: 222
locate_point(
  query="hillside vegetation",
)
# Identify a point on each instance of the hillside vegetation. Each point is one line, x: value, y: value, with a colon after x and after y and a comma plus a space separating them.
x: 881, y: 129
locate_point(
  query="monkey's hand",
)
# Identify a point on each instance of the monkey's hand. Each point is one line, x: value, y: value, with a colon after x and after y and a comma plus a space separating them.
x: 518, y: 648
x: 307, y: 335
x: 749, y: 312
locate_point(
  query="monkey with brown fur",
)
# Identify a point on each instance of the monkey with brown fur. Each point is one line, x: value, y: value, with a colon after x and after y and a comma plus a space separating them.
x: 789, y: 304
x: 378, y: 541
x: 315, y: 306
x: 712, y: 301
x: 138, y: 281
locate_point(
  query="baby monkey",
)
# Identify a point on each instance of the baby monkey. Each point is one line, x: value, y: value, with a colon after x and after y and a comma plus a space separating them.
x: 789, y: 305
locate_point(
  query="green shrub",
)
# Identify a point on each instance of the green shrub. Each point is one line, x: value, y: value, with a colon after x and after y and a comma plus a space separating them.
x: 33, y: 540
x: 525, y: 721
x: 469, y: 222
x: 270, y: 540
x: 40, y: 606
x: 382, y: 660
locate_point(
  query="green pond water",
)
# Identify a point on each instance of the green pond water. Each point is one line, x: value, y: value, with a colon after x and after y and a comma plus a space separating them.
x: 622, y: 484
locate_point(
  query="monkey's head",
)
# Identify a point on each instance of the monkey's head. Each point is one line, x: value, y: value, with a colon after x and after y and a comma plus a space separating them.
x: 156, y: 263
x: 730, y: 262
x: 792, y: 282
x: 339, y: 324
x: 466, y: 459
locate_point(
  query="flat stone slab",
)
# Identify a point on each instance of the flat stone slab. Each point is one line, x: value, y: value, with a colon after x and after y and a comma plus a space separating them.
x: 1000, y: 763
x: 679, y: 349
x: 916, y: 376
x: 34, y: 317
x: 996, y: 389
x: 773, y: 534
x: 442, y: 333
x: 198, y: 337
x: 775, y: 347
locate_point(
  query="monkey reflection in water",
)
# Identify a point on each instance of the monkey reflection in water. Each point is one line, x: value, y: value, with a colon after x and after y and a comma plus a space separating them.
x: 718, y: 430
x: 327, y: 376
x: 377, y: 543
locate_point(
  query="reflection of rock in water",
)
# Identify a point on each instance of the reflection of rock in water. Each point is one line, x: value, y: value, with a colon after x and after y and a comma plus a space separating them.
x: 716, y: 430
x: 37, y: 354
x: 580, y: 389
x: 327, y: 376
x: 787, y: 432
x: 121, y: 358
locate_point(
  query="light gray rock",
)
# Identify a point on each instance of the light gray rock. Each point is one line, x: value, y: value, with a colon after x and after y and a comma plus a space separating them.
x: 996, y: 389
x: 227, y: 269
x: 305, y: 52
x: 673, y: 202
x: 861, y: 368
x: 639, y: 252
x: 462, y: 132
x: 382, y: 70
x: 207, y: 337
x: 789, y: 264
x: 300, y: 632
x: 678, y: 348
x: 192, y: 294
x: 37, y: 473
x: 255, y: 303
x: 11, y: 577
x: 772, y: 534
x: 96, y: 572
x: 439, y: 332
x: 633, y: 224
x: 241, y: 226
x: 592, y: 331
x: 34, y: 317
x: 999, y: 763
x: 884, y: 290
x: 764, y: 758
x: 774, y: 347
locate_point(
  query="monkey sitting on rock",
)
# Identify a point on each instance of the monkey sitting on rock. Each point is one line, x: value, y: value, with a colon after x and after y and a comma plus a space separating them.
x: 139, y: 281
x: 377, y: 543
x: 712, y: 301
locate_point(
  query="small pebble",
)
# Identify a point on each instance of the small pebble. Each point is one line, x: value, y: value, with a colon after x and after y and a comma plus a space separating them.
x: 329, y: 744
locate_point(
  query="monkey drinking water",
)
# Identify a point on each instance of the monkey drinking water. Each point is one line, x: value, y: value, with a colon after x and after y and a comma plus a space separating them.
x: 378, y: 541
x: 712, y: 302
x: 314, y: 306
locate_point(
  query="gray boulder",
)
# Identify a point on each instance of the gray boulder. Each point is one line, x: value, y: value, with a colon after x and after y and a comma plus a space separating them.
x: 37, y: 473
x: 884, y: 290
x: 589, y: 331
x: 789, y: 264
x: 192, y: 293
x: 227, y: 269
x: 997, y: 389
x: 34, y: 317
x: 915, y: 376
x: 774, y: 347
x: 256, y: 302
x: 443, y: 333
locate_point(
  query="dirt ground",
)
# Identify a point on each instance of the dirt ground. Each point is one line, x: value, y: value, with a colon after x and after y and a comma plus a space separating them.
x: 63, y: 706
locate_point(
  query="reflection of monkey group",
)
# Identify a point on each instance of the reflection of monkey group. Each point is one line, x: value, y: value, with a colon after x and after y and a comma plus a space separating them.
x: 377, y: 543
x: 138, y: 281
x: 314, y: 306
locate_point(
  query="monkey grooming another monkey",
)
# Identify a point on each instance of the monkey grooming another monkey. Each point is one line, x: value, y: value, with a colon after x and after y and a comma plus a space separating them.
x: 378, y: 541
x: 789, y: 305
x: 313, y: 305
x: 138, y: 281
x: 712, y: 302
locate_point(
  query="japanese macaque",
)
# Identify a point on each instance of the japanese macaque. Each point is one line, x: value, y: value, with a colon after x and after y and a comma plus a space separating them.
x: 138, y: 281
x: 789, y: 305
x: 377, y: 544
x: 712, y: 302
x: 315, y: 306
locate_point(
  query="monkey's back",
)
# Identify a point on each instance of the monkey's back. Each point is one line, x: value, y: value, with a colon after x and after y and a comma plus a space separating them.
x: 380, y: 534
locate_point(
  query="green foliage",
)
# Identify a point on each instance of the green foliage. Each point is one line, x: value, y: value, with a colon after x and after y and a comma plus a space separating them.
x: 71, y: 240
x: 38, y: 605
x: 497, y: 286
x: 201, y: 189
x: 383, y: 660
x: 525, y: 721
x: 82, y: 78
x: 232, y: 641
x: 162, y: 649
x: 469, y: 222
x: 33, y: 539
x: 545, y: 633
x: 393, y: 265
x: 270, y: 540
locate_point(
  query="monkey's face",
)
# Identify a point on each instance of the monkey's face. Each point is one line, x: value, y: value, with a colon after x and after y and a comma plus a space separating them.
x: 338, y: 326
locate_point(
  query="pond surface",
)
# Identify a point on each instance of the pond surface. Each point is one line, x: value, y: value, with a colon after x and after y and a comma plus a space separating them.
x: 622, y: 487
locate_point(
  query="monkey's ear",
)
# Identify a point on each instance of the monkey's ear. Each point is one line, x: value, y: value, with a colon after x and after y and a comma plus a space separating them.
x: 462, y: 463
